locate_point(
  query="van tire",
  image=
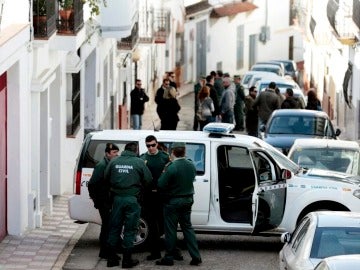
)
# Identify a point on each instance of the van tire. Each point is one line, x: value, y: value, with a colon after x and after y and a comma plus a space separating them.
x: 142, y: 235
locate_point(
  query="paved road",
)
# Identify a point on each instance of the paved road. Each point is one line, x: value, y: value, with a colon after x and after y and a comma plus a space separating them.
x: 218, y: 252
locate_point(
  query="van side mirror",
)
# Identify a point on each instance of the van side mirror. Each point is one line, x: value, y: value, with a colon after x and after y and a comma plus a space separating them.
x: 337, y: 132
x: 285, y: 237
x: 262, y: 128
x: 285, y: 174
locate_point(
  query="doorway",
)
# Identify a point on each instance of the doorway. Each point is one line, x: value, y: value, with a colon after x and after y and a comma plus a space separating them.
x: 3, y: 154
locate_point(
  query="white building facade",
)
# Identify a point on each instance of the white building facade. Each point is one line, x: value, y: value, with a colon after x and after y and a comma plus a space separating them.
x: 59, y: 78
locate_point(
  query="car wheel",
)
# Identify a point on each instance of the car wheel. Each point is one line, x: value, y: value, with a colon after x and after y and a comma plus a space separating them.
x: 142, y: 234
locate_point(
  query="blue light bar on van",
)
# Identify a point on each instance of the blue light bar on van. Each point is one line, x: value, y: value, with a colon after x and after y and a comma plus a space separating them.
x: 220, y: 128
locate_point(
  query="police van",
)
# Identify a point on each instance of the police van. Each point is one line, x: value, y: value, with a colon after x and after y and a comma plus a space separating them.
x: 243, y: 185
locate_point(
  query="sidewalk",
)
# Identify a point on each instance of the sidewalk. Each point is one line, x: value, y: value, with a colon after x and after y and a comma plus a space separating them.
x: 151, y: 119
x: 43, y: 248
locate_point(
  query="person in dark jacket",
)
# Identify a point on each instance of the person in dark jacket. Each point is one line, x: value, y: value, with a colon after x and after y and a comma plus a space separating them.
x: 138, y: 99
x: 99, y: 192
x: 213, y: 94
x: 155, y: 160
x: 128, y: 177
x: 239, y: 104
x: 167, y: 106
x: 313, y: 103
x: 177, y: 188
x: 251, y: 120
x: 290, y: 102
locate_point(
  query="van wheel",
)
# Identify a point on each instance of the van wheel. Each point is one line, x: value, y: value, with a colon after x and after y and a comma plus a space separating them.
x: 142, y: 234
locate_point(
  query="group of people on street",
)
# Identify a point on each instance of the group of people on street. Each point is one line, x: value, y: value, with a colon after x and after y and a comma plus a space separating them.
x: 218, y: 98
x: 166, y: 99
x: 162, y: 184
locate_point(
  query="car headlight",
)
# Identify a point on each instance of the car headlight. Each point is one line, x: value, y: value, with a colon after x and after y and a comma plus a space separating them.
x: 356, y: 193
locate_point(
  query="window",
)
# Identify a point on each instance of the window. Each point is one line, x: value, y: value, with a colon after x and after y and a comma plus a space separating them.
x: 73, y: 105
x: 240, y: 47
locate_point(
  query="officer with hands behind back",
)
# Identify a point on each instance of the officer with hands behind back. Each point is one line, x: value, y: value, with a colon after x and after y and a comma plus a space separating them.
x: 99, y: 192
x: 176, y: 186
x: 128, y: 176
x: 155, y: 160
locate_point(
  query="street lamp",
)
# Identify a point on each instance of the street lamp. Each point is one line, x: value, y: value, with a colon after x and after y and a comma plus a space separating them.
x: 136, y: 57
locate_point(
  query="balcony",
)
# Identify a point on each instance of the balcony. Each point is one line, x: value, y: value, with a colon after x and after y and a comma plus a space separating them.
x: 161, y: 25
x: 44, y: 18
x: 128, y: 43
x: 47, y: 18
x: 70, y: 21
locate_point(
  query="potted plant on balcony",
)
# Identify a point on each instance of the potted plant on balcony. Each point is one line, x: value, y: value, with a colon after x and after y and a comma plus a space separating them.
x: 65, y: 12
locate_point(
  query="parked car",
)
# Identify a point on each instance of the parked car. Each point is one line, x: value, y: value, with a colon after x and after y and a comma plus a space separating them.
x: 242, y: 186
x: 283, y: 84
x: 341, y: 262
x: 271, y: 62
x: 290, y: 68
x: 249, y: 75
x: 320, y: 235
x: 268, y: 68
x: 286, y: 125
x: 327, y: 154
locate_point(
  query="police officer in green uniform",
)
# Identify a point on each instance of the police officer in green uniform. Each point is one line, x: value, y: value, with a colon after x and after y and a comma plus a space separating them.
x: 155, y: 160
x: 177, y: 189
x: 239, y: 104
x: 99, y: 193
x: 127, y: 175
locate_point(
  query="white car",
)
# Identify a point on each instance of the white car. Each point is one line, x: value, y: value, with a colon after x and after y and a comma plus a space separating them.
x: 341, y: 262
x: 283, y: 84
x: 268, y: 68
x: 247, y: 78
x: 327, y: 154
x: 243, y: 185
x: 320, y: 235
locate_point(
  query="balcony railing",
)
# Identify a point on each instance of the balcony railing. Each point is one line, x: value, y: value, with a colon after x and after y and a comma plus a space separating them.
x: 70, y: 21
x: 129, y: 42
x: 44, y: 18
x: 161, y: 25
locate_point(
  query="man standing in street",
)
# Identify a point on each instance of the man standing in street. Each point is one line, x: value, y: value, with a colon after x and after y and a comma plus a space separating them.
x: 227, y: 101
x: 138, y: 99
x: 155, y: 160
x: 177, y: 189
x: 99, y: 193
x: 128, y: 176
x: 251, y: 113
x: 239, y: 104
x: 267, y: 102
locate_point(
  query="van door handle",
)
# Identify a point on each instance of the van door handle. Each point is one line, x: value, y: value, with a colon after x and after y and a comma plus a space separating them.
x: 205, y: 180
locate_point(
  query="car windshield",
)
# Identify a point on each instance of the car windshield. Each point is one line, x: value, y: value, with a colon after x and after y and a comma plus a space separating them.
x: 302, y: 125
x: 335, y: 159
x: 332, y: 241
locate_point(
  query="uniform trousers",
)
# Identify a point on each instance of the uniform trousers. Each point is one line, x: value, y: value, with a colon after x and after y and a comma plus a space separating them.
x: 178, y: 211
x: 126, y: 211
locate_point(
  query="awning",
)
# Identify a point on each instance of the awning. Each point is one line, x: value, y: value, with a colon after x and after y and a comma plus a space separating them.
x: 232, y: 9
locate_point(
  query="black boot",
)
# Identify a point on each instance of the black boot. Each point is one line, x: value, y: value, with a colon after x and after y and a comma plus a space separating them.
x: 113, y: 259
x: 128, y: 262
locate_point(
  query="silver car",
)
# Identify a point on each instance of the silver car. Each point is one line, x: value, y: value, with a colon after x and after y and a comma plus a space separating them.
x: 341, y: 262
x: 320, y: 235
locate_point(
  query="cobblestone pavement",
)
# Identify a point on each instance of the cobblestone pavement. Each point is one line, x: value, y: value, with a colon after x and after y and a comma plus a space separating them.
x: 46, y: 247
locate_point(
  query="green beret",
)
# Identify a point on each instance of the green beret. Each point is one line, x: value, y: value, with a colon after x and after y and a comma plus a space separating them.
x: 177, y: 144
x: 236, y: 76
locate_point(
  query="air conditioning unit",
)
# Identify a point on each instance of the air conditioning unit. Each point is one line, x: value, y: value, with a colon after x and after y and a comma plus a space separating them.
x: 264, y: 34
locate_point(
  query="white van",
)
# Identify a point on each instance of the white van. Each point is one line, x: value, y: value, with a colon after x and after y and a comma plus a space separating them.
x: 243, y: 185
